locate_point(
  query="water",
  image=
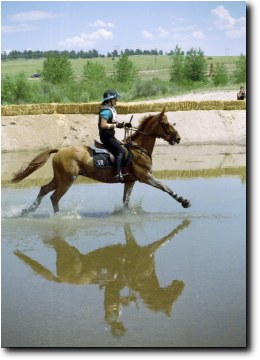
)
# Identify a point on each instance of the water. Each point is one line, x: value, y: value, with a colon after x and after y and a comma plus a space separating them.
x: 97, y: 275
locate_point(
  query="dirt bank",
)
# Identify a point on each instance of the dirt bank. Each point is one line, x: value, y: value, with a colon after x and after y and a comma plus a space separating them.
x: 33, y: 132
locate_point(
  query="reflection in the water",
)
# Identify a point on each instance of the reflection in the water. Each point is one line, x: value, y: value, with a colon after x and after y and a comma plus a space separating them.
x: 114, y: 268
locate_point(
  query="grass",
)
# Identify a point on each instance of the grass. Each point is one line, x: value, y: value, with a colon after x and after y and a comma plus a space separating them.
x: 148, y: 66
x: 153, y: 81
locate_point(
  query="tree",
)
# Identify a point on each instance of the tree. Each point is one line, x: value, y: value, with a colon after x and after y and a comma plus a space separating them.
x: 7, y: 90
x: 221, y: 75
x: 176, y: 70
x: 93, y: 71
x: 240, y: 71
x: 57, y: 69
x: 15, y: 89
x: 194, y: 68
x: 125, y: 69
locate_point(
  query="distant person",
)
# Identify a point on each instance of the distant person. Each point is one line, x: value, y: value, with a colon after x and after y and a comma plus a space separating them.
x: 241, y: 95
x: 107, y: 123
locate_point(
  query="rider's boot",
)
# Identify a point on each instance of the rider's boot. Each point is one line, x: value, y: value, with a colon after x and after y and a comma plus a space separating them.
x: 118, y: 166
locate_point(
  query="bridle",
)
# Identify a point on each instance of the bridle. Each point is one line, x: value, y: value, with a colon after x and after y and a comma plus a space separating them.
x: 154, y: 134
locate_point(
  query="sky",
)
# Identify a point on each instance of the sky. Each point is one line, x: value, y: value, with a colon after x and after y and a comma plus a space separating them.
x: 216, y: 27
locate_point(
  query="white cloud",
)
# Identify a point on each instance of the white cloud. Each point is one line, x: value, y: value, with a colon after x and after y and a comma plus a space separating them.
x: 17, y: 28
x: 160, y: 33
x: 183, y: 29
x: 163, y: 33
x: 101, y: 23
x: 198, y: 35
x: 235, y: 28
x: 177, y: 18
x: 86, y: 40
x: 223, y: 20
x: 237, y: 33
x: 32, y: 16
x: 147, y: 35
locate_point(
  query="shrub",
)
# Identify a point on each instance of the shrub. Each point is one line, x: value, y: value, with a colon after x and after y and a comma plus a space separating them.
x: 194, y: 67
x: 16, y: 89
x: 57, y: 69
x: 8, y: 90
x: 240, y: 71
x: 176, y: 70
x: 93, y: 72
x: 221, y: 75
x: 125, y: 70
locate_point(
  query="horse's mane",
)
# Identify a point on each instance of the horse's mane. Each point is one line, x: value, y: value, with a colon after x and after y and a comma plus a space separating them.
x: 140, y: 127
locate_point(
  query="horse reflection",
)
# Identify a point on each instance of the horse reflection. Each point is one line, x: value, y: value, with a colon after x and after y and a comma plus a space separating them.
x: 114, y: 268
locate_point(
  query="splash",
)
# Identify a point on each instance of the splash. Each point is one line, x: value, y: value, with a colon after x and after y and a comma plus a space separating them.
x: 133, y: 209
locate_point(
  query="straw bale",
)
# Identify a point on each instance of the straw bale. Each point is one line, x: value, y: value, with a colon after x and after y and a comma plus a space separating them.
x: 28, y: 109
x: 122, y: 108
x: 235, y: 105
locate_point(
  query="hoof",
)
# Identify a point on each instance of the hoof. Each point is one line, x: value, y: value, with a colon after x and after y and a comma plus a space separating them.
x: 186, y: 204
x: 25, y: 212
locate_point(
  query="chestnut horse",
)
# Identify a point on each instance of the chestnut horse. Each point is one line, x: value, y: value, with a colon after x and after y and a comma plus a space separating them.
x: 69, y: 162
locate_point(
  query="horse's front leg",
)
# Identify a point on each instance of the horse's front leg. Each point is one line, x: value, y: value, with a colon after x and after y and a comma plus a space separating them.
x: 127, y: 192
x: 150, y: 180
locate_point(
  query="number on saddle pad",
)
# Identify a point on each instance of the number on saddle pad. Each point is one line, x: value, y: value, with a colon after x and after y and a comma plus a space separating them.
x: 102, y: 160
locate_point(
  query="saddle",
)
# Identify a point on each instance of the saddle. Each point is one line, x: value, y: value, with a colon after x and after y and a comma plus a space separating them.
x: 103, y: 159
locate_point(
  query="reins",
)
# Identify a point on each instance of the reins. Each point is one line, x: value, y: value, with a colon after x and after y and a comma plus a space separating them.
x: 128, y: 138
x: 143, y: 132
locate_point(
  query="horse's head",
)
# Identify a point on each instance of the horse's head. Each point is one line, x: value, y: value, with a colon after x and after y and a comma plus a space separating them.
x: 166, y: 131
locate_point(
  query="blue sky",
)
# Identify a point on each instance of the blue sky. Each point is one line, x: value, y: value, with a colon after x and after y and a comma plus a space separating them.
x: 217, y: 27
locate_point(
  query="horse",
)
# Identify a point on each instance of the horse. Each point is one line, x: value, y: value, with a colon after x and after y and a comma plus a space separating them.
x: 69, y: 162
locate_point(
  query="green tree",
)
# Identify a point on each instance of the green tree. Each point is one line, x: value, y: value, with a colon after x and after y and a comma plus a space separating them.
x: 194, y: 68
x: 240, y: 71
x: 16, y: 89
x: 7, y: 90
x: 176, y: 70
x: 57, y: 69
x: 125, y: 69
x: 22, y: 88
x: 221, y: 75
x: 94, y: 72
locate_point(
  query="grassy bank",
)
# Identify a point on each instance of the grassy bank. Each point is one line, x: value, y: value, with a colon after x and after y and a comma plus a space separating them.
x: 148, y: 66
x: 151, y: 83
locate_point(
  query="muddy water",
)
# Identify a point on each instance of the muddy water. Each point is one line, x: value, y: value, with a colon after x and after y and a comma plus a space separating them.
x: 97, y: 275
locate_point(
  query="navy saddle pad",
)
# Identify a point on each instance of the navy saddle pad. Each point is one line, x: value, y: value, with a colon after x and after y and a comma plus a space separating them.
x: 105, y: 160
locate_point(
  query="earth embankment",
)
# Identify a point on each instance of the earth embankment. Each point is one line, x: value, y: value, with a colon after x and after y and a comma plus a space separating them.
x: 33, y: 132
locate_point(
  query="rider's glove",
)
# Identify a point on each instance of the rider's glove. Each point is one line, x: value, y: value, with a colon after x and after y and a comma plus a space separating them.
x: 128, y: 125
x: 120, y: 125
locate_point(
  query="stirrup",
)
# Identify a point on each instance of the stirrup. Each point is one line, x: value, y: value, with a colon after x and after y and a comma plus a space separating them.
x: 120, y: 177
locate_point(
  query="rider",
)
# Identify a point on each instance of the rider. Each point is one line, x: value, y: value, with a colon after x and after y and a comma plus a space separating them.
x: 106, y: 124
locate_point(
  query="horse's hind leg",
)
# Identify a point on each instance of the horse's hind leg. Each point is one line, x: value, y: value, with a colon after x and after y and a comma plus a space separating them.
x: 45, y: 189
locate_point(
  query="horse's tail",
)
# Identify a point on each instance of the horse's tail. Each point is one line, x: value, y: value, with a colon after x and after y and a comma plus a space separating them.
x: 35, y: 164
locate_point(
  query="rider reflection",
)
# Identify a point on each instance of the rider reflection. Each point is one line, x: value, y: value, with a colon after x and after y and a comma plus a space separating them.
x: 115, y: 268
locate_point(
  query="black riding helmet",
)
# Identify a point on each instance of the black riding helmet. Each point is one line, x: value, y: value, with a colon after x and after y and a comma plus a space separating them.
x: 110, y: 94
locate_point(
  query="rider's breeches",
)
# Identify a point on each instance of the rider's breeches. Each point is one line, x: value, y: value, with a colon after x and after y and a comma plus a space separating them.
x: 113, y: 145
